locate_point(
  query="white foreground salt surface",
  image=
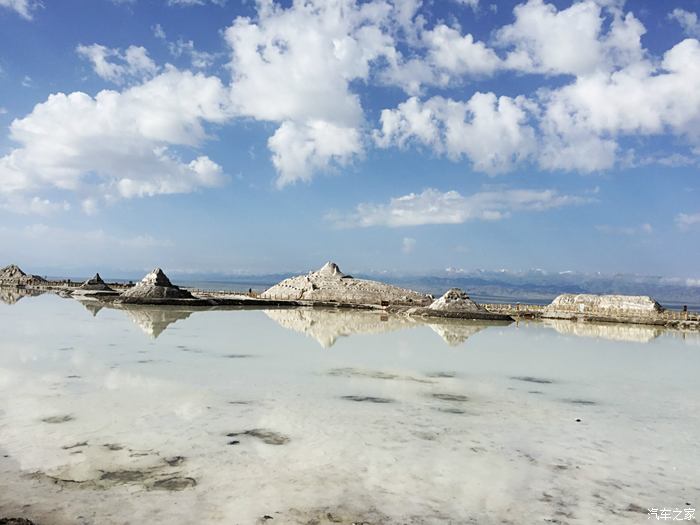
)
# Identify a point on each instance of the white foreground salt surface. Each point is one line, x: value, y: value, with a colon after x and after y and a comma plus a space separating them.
x: 100, y: 423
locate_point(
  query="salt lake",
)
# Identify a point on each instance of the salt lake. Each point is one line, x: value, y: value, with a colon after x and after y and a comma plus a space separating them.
x: 244, y: 416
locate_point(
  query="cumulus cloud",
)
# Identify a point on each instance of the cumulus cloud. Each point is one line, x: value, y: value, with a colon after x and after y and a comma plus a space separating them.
x: 434, y: 207
x: 570, y: 41
x: 301, y: 149
x: 582, y: 120
x: 302, y: 66
x: 616, y: 90
x: 492, y: 132
x: 116, y: 66
x: 23, y: 8
x: 687, y: 20
x: 118, y: 144
x: 294, y: 67
x: 686, y: 221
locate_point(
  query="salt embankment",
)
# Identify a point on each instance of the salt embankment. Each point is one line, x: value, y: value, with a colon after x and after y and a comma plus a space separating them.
x: 622, y: 308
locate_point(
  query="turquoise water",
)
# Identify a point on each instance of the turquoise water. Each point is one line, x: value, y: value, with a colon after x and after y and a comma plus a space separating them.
x: 169, y: 415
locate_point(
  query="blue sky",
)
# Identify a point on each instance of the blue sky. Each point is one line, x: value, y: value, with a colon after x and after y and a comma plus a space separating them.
x: 213, y: 135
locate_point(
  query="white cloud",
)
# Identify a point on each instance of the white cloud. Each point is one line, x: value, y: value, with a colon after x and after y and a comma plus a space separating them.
x: 300, y: 150
x: 492, y: 132
x: 34, y: 205
x: 686, y: 221
x: 3, y: 111
x: 632, y: 231
x: 582, y: 120
x: 47, y: 242
x: 198, y: 59
x: 23, y: 8
x: 569, y: 41
x: 294, y: 67
x: 457, y: 54
x: 408, y: 245
x: 118, y: 144
x: 474, y: 4
x: 159, y: 32
x: 435, y: 207
x: 113, y: 65
x: 187, y: 3
x: 687, y: 20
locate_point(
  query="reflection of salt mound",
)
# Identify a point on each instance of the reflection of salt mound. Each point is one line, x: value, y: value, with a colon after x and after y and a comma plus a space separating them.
x: 91, y: 305
x: 330, y: 284
x: 156, y: 285
x: 689, y: 337
x: 615, y: 332
x: 454, y: 333
x: 455, y: 300
x: 326, y: 325
x: 154, y: 320
x: 574, y: 305
x: 12, y: 295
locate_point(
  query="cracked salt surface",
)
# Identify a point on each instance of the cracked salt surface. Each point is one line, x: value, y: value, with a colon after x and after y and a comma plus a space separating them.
x: 611, y: 430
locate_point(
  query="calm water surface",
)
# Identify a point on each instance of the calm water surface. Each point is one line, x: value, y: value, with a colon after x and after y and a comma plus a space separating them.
x: 174, y: 416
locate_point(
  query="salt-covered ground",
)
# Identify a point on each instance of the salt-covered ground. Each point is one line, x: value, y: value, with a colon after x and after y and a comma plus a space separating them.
x: 229, y: 417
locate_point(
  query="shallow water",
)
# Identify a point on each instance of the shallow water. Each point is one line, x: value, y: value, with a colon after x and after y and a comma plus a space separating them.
x: 167, y: 415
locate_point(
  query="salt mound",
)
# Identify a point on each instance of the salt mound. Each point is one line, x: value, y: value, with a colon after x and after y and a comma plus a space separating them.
x: 12, y: 272
x: 95, y: 284
x: 330, y: 269
x: 156, y: 285
x: 329, y: 284
x: 455, y: 300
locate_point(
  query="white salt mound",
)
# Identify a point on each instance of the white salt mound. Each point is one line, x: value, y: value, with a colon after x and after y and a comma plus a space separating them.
x: 156, y: 285
x: 95, y: 284
x: 13, y: 274
x: 329, y: 284
x: 455, y: 300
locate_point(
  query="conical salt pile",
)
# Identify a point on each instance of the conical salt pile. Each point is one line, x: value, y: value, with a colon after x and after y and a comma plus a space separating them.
x: 156, y: 285
x: 455, y: 300
x: 95, y: 284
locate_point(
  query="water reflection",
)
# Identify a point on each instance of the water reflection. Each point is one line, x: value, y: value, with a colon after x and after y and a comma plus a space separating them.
x: 326, y: 326
x: 91, y: 305
x: 97, y: 424
x: 634, y: 333
x: 154, y: 320
x: 455, y: 332
x: 13, y: 295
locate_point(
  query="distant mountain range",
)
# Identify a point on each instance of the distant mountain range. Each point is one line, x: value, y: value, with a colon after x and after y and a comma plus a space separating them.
x: 541, y: 286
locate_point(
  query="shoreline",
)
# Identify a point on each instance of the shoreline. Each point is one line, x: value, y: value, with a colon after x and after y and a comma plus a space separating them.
x: 673, y: 319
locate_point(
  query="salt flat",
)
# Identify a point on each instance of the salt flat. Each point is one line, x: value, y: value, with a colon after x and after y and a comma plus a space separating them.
x: 157, y: 415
